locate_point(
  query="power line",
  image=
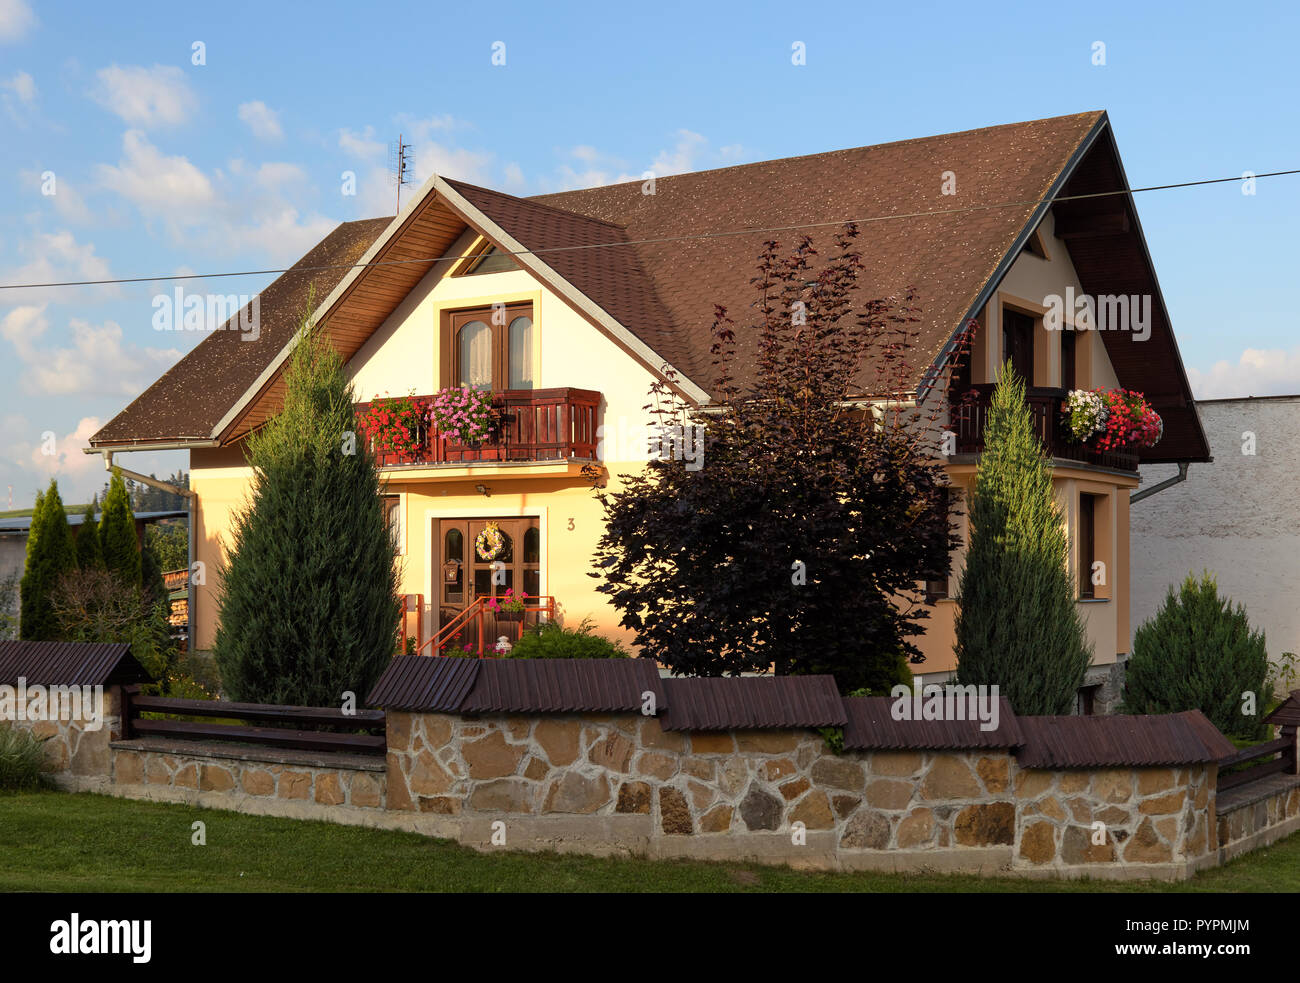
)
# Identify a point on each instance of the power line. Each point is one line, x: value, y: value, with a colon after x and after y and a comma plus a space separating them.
x: 656, y: 240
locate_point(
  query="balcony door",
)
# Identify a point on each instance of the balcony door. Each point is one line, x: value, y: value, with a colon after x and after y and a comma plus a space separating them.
x: 1018, y: 343
x: 493, y: 348
x: 465, y: 572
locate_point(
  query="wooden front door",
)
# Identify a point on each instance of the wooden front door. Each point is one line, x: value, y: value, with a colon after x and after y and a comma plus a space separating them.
x: 465, y: 574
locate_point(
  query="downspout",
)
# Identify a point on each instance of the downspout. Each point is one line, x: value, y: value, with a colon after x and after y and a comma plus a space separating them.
x: 1161, y: 486
x: 189, y: 496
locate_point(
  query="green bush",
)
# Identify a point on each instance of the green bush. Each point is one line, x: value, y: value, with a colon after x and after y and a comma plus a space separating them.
x: 550, y: 640
x: 1199, y: 653
x: 22, y: 759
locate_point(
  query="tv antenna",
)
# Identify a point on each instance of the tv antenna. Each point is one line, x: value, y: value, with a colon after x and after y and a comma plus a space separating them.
x: 399, y: 165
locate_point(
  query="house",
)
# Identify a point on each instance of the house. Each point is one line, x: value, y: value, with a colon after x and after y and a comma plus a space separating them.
x: 568, y: 307
x: 1238, y: 519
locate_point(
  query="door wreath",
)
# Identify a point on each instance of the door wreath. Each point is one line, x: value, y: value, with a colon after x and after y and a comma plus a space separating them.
x: 491, y: 543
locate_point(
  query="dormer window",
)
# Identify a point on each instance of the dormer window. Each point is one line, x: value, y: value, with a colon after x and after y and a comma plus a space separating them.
x: 484, y: 257
x: 494, y: 347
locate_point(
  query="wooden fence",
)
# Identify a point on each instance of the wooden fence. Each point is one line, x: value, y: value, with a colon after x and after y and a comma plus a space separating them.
x: 290, y: 727
x: 1283, y: 747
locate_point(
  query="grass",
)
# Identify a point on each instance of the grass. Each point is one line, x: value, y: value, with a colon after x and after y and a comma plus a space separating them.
x: 52, y: 841
x: 19, y: 513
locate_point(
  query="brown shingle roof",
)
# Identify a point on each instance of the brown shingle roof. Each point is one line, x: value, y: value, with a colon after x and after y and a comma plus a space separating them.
x: 872, y: 727
x: 418, y: 682
x: 752, y: 702
x: 563, y: 686
x: 1110, y: 742
x: 194, y: 394
x: 948, y: 258
x: 663, y: 287
x: 69, y: 664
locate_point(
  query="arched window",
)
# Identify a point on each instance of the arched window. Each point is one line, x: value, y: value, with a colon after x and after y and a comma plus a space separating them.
x: 476, y: 355
x: 521, y: 353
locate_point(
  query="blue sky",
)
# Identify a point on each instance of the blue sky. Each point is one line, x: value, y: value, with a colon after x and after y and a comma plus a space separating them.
x: 163, y: 166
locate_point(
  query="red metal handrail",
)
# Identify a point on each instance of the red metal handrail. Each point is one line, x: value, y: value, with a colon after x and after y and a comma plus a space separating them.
x: 476, y: 612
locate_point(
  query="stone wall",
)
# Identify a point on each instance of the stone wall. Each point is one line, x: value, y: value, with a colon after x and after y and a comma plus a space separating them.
x: 1258, y: 814
x: 183, y: 770
x: 621, y: 784
x: 739, y: 795
x: 77, y: 757
x: 1149, y: 816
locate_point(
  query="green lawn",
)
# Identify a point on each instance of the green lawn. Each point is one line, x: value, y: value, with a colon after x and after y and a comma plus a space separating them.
x: 59, y: 842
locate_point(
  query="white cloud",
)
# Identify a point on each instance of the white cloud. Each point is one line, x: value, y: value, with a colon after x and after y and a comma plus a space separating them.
x: 57, y: 257
x: 95, y: 361
x: 156, y: 184
x: 146, y: 96
x: 1258, y: 372
x: 363, y: 145
x: 67, y: 201
x: 262, y: 120
x: 16, y: 19
x: 21, y: 85
x: 69, y: 460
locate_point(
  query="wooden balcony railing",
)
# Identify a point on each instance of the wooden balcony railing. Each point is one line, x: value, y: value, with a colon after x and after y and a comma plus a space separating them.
x: 532, y: 425
x: 968, y: 417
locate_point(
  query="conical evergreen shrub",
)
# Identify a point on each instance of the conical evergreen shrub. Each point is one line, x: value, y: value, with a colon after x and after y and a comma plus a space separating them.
x: 90, y: 555
x: 50, y: 554
x: 308, y: 608
x: 117, y: 533
x: 1199, y: 653
x: 1017, y: 624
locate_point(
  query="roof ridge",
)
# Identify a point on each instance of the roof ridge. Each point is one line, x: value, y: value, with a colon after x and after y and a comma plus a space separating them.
x: 533, y: 202
x: 1097, y: 113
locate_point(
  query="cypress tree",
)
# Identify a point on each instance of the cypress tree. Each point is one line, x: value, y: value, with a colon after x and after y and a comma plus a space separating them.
x: 90, y: 555
x: 1017, y: 624
x: 50, y: 554
x: 1199, y: 653
x: 308, y: 608
x: 117, y: 533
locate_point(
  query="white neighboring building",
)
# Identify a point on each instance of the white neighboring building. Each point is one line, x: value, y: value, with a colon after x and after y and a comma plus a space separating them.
x: 1238, y: 517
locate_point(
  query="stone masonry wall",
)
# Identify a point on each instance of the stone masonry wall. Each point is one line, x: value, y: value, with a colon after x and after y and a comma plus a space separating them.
x: 77, y: 757
x: 744, y: 792
x: 1150, y: 816
x: 305, y: 781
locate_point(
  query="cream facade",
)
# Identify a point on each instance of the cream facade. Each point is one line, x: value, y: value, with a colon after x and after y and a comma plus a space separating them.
x: 406, y: 356
x: 1027, y: 289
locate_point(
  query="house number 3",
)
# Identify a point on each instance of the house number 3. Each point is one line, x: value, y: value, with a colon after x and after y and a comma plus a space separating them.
x: 570, y: 523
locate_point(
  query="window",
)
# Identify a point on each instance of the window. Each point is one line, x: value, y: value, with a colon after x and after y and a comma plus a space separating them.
x: 494, y: 348
x: 1087, y: 545
x: 393, y: 515
x: 936, y: 588
x: 1067, y: 359
x: 1018, y: 343
x: 488, y: 260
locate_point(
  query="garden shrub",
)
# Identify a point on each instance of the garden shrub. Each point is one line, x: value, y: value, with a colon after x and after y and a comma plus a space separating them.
x: 22, y: 759
x: 1199, y: 653
x: 550, y: 640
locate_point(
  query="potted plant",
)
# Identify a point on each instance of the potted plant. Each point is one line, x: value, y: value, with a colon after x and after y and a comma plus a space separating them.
x: 509, y: 606
x: 462, y: 415
x: 396, y: 426
x: 1110, y: 419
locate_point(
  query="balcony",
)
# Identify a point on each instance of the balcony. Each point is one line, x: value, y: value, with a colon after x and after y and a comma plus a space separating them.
x: 532, y: 425
x: 968, y: 417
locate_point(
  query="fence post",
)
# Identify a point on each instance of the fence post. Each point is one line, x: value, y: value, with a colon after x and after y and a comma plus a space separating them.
x: 1293, y: 733
x: 126, y: 710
